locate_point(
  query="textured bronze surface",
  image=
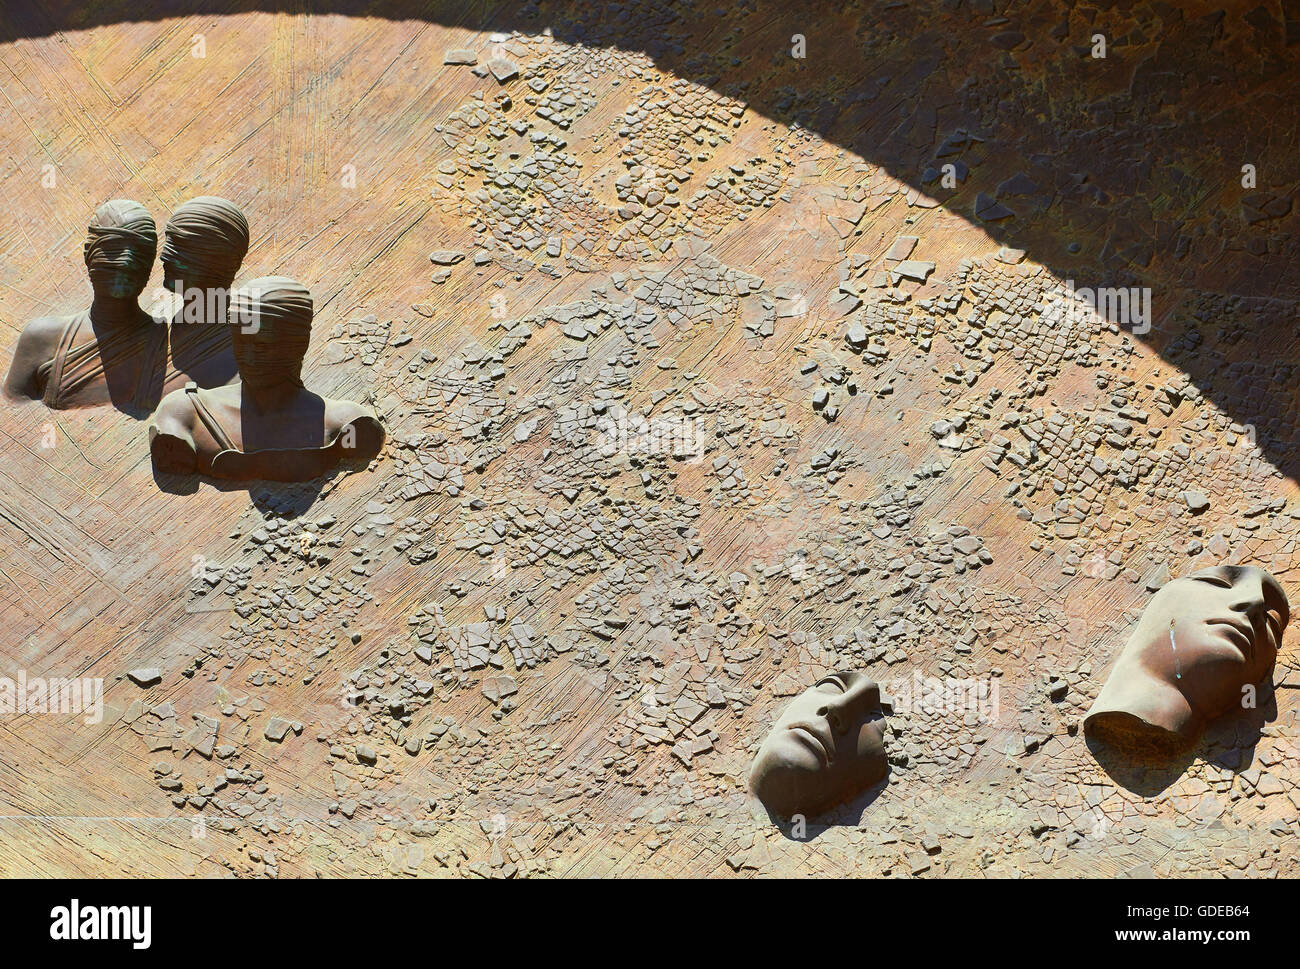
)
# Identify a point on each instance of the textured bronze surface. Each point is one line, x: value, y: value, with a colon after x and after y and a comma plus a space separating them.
x: 705, y: 370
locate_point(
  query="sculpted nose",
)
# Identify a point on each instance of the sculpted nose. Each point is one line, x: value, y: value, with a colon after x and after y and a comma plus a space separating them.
x: 834, y: 716
x: 862, y: 700
x: 1249, y: 595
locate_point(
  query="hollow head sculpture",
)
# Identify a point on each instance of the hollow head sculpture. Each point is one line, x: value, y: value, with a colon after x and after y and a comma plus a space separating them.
x: 1202, y: 639
x: 826, y: 747
x: 267, y: 425
x: 110, y: 352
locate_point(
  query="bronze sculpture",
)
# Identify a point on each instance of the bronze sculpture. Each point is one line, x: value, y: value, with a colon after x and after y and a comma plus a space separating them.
x: 827, y: 746
x: 110, y: 352
x: 204, y: 244
x: 1201, y: 645
x: 267, y: 425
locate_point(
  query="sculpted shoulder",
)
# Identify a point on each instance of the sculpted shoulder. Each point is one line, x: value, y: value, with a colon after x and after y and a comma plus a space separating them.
x: 36, y: 345
x: 44, y: 329
x: 356, y: 428
x: 171, y: 435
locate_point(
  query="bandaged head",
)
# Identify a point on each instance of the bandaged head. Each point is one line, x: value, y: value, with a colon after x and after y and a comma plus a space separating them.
x: 204, y: 243
x: 121, y: 241
x: 270, y: 320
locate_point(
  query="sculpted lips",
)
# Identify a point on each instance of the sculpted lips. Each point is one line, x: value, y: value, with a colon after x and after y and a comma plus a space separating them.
x: 811, y: 737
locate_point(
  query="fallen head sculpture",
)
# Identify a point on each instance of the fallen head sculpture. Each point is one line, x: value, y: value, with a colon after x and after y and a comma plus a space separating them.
x: 1202, y: 643
x: 267, y: 425
x: 110, y: 352
x: 826, y: 747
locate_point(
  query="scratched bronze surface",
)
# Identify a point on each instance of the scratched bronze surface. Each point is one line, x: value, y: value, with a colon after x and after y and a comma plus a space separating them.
x: 706, y: 368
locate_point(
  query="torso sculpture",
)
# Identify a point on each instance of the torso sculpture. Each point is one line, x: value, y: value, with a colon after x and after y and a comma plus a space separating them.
x: 111, y: 352
x: 267, y: 425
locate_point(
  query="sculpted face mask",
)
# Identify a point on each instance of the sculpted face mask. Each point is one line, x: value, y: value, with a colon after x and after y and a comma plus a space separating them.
x: 270, y: 322
x: 121, y: 241
x: 204, y: 243
x: 827, y: 747
x: 1202, y: 644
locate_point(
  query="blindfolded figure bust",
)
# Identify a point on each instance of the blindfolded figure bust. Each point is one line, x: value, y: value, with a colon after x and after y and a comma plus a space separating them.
x: 267, y: 425
x: 110, y: 352
x: 204, y: 244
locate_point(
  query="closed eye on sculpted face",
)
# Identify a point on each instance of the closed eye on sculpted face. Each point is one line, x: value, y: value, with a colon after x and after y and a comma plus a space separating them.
x: 1278, y: 611
x: 1275, y: 626
x: 1274, y: 598
x: 863, y: 696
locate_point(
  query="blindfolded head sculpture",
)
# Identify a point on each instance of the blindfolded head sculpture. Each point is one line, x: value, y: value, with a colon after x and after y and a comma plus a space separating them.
x: 826, y: 747
x: 121, y: 241
x: 204, y: 244
x: 1202, y: 639
x: 271, y: 329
